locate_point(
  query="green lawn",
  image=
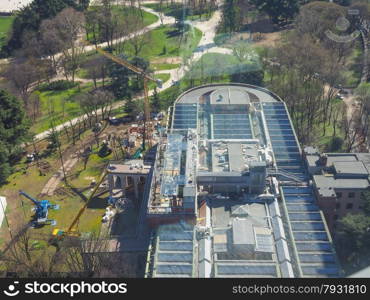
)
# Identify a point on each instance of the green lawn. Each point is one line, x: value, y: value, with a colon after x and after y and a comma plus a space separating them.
x: 323, y: 141
x: 353, y: 68
x: 163, y: 77
x: 70, y: 202
x: 62, y: 105
x: 166, y: 41
x: 178, y: 11
x: 5, y: 25
x: 159, y: 67
x: 124, y: 11
x: 216, y: 69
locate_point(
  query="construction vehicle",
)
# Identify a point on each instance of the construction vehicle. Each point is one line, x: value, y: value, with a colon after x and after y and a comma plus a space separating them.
x: 41, y: 209
x: 137, y: 153
x: 72, y: 230
x: 147, y: 135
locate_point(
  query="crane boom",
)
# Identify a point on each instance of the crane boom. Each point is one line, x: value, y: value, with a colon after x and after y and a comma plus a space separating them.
x: 59, y: 234
x: 126, y: 64
x: 146, y: 78
x: 30, y: 198
x: 83, y: 208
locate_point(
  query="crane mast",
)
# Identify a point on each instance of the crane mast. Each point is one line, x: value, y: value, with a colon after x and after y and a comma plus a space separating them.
x: 147, y: 132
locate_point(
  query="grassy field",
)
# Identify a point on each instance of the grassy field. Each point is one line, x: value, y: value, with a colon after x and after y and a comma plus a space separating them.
x: 69, y: 197
x: 166, y: 41
x: 353, y: 72
x: 159, y: 67
x: 164, y: 77
x: 215, y: 70
x: 218, y: 67
x: 178, y: 11
x: 59, y: 106
x: 5, y: 25
x: 323, y: 141
x: 124, y: 11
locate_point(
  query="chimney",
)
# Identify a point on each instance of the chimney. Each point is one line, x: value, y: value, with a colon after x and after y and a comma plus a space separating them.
x: 323, y: 160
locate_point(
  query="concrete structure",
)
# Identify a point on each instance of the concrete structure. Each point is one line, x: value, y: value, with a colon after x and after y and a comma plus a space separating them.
x: 364, y: 273
x: 339, y: 180
x: 231, y: 169
x: 3, y: 205
x: 122, y: 175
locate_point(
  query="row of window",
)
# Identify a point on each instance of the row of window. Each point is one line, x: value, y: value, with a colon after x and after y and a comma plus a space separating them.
x: 350, y: 195
x: 348, y: 205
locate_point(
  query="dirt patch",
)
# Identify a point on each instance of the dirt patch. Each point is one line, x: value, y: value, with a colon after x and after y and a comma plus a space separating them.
x: 262, y: 25
x: 167, y: 60
x: 266, y: 39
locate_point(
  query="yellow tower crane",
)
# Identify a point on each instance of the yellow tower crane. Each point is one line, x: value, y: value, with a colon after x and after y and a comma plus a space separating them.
x: 72, y: 230
x: 147, y: 135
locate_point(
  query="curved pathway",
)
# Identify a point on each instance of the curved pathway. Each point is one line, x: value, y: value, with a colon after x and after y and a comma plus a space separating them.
x: 205, y: 45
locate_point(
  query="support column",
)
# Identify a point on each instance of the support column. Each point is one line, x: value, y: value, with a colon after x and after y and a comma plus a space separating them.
x: 123, y: 184
x: 111, y: 184
x: 136, y: 188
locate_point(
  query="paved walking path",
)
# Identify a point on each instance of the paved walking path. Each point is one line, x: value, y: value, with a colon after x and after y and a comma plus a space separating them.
x: 57, y: 178
x: 206, y: 45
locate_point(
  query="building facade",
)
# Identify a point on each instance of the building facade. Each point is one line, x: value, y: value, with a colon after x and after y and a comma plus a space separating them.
x: 230, y: 194
x: 339, y: 179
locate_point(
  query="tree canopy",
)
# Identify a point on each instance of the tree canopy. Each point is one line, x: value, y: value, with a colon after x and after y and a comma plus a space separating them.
x: 353, y: 238
x: 29, y: 19
x: 13, y: 131
x: 281, y: 12
x: 120, y: 79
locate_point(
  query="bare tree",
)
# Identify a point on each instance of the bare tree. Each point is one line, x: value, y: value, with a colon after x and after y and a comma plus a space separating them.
x: 97, y: 68
x: 66, y: 28
x: 96, y: 103
x: 108, y: 21
x: 138, y: 39
x: 22, y: 74
x: 306, y: 73
x: 92, y: 26
x: 29, y: 259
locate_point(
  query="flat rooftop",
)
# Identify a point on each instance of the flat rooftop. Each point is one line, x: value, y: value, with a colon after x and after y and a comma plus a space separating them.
x: 243, y: 233
x: 233, y: 156
x: 134, y: 166
x: 227, y: 96
x: 353, y: 168
x: 323, y: 181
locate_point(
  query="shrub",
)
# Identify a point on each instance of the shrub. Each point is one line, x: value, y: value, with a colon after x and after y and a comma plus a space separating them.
x: 59, y: 85
x: 104, y: 150
x: 335, y: 144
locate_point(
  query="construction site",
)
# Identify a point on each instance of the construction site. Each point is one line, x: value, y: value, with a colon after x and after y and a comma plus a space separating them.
x: 96, y: 192
x: 218, y: 188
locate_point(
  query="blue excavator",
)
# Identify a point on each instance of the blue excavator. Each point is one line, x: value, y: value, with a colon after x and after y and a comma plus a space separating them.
x: 41, y: 209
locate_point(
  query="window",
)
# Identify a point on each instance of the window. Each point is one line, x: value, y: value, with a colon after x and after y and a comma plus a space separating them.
x: 335, y: 217
x: 351, y: 195
x: 339, y: 195
x: 349, y: 205
x: 338, y: 205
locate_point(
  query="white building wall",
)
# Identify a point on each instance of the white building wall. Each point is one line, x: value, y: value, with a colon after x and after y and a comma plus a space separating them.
x: 3, y: 205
